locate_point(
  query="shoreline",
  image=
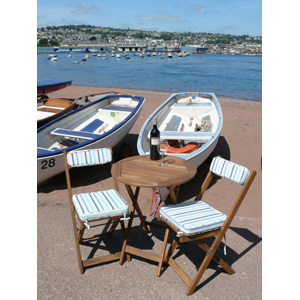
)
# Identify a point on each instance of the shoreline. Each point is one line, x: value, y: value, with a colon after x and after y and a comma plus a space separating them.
x: 172, y: 92
x: 136, y: 91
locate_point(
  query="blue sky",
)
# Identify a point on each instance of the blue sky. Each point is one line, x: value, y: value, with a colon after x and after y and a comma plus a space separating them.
x: 235, y: 17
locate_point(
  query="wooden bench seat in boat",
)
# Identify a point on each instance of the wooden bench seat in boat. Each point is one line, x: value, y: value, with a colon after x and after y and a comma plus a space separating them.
x: 50, y: 109
x: 191, y: 136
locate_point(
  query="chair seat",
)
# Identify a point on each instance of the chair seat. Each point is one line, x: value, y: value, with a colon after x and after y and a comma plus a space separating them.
x: 104, y: 204
x: 192, y: 217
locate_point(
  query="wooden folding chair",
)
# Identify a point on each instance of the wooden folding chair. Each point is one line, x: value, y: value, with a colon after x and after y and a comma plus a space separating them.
x: 195, y: 220
x: 87, y: 208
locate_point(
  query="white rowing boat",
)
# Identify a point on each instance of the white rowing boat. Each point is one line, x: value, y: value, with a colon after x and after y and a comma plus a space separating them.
x: 102, y: 123
x: 190, y: 121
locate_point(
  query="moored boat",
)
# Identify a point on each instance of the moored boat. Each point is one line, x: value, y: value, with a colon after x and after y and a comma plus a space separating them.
x: 190, y: 121
x: 83, y: 100
x: 49, y: 86
x: 102, y: 123
x: 50, y: 109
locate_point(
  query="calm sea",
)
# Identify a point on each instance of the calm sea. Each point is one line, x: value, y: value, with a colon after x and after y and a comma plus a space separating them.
x: 234, y: 76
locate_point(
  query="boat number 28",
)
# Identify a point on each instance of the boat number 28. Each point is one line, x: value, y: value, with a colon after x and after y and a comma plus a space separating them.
x: 48, y: 164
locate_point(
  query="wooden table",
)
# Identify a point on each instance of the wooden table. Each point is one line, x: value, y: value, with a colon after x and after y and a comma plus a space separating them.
x: 140, y: 171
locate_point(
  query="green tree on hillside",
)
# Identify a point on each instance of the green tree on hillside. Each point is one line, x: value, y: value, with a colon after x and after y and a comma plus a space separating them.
x: 43, y: 42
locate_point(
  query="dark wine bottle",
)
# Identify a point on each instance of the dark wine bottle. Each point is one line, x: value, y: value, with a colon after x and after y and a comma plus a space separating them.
x: 154, y: 141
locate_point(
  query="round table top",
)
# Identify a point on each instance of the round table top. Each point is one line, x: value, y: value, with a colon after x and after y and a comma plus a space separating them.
x: 141, y: 171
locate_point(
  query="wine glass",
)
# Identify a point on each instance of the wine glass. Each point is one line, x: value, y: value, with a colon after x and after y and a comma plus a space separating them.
x: 163, y: 148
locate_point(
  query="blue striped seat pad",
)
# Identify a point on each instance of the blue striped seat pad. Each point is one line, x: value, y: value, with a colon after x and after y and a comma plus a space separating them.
x: 89, y: 157
x: 97, y: 205
x: 192, y: 217
x: 229, y: 170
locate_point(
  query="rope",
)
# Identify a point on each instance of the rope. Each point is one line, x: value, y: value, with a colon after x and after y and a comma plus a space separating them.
x: 156, y: 199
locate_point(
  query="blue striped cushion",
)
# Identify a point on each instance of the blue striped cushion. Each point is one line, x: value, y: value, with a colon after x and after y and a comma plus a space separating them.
x: 192, y: 217
x: 229, y: 170
x: 89, y: 157
x: 102, y: 204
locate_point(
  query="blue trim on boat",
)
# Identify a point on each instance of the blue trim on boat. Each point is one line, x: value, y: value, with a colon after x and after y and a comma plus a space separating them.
x: 48, y: 83
x: 44, y: 151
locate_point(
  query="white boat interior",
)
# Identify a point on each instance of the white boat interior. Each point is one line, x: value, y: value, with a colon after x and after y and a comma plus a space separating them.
x: 44, y: 111
x: 88, y: 123
x: 189, y: 118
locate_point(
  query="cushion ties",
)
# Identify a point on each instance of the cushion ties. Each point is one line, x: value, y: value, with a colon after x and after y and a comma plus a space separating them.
x: 87, y: 225
x: 179, y: 233
x: 125, y: 217
x: 225, y: 245
x: 156, y: 200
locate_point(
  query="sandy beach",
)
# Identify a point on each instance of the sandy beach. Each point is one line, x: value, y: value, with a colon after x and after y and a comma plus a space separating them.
x: 58, y: 274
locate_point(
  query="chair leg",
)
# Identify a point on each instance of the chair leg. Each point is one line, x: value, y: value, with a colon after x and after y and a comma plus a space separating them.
x: 79, y: 259
x: 123, y: 237
x: 127, y: 236
x: 161, y: 260
x: 113, y: 226
x: 216, y: 257
x: 171, y: 249
x: 81, y: 231
x: 209, y: 256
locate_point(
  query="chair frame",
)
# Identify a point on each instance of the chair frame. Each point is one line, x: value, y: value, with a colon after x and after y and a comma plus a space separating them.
x: 198, y: 238
x: 79, y: 232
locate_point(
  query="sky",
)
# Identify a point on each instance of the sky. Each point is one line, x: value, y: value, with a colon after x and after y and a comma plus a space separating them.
x: 236, y: 17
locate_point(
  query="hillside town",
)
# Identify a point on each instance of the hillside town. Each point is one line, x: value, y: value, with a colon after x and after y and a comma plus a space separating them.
x: 110, y: 39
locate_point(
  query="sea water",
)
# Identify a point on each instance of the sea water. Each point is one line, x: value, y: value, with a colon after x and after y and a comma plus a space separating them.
x: 233, y: 76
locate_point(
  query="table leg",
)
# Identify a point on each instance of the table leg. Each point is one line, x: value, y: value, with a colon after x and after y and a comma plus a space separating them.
x: 174, y: 190
x: 134, y: 198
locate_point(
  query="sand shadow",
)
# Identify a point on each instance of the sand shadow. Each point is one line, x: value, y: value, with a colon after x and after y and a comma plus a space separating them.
x: 191, y: 188
x: 196, y: 256
x: 95, y: 174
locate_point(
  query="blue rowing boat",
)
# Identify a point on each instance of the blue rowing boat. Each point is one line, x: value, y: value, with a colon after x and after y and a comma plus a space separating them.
x: 102, y: 123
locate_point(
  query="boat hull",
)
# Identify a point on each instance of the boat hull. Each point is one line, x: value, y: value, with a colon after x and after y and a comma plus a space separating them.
x: 49, y: 165
x: 49, y: 86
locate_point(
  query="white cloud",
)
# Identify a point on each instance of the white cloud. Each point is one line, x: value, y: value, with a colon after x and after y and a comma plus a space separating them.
x: 163, y: 17
x: 84, y: 8
x: 197, y: 8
